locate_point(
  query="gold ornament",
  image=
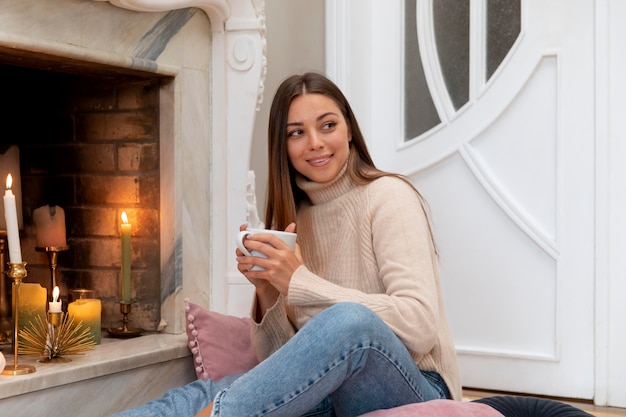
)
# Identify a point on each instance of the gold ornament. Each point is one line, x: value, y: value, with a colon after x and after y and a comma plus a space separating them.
x: 58, y: 336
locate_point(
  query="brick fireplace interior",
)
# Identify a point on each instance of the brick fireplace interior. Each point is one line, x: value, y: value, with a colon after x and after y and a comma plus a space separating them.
x: 88, y: 137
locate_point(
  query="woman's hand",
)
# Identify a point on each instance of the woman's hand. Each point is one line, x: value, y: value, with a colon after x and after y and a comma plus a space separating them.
x: 243, y: 267
x: 279, y: 266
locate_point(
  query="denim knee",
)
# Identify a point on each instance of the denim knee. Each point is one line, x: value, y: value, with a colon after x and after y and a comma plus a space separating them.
x: 353, y: 319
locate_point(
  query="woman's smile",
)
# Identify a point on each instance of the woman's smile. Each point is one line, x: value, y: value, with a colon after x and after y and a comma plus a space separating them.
x: 320, y: 161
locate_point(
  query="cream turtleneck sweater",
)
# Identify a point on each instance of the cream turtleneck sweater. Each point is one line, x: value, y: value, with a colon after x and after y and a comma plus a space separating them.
x: 371, y: 245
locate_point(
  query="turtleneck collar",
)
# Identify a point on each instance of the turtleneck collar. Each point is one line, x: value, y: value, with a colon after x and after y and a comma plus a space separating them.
x: 320, y: 193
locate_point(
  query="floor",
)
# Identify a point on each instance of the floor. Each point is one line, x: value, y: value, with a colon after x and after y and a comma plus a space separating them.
x: 584, y: 405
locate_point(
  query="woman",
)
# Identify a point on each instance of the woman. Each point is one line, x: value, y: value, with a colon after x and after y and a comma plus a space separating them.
x: 355, y: 315
x: 353, y: 320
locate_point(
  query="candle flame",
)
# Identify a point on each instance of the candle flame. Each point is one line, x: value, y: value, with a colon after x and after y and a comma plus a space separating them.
x: 55, y: 294
x: 124, y: 218
x: 9, y: 181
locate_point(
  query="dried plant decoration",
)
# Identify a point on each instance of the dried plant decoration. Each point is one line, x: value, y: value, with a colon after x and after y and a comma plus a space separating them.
x: 52, y: 343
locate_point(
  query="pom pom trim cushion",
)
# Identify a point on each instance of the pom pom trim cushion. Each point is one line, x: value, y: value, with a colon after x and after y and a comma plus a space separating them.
x: 220, y: 344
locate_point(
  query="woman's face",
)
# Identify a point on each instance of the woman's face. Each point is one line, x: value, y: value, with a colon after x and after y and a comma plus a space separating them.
x: 317, y: 137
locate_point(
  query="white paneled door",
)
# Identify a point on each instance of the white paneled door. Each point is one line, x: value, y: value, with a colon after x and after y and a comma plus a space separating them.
x: 504, y: 153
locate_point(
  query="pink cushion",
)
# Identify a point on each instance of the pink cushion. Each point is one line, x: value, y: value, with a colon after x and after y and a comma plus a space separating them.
x: 438, y: 408
x: 220, y: 344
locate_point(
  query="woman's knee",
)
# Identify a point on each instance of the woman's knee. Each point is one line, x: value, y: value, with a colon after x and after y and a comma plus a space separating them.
x: 350, y: 318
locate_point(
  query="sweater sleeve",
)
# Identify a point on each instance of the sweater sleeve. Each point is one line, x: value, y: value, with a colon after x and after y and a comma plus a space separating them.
x: 273, y: 331
x: 406, y: 262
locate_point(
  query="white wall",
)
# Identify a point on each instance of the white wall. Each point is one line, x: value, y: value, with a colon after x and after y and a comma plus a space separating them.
x: 295, y: 44
x: 611, y: 203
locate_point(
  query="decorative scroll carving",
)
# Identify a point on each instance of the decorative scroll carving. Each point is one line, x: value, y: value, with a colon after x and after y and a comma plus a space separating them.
x: 259, y: 9
x: 241, y: 56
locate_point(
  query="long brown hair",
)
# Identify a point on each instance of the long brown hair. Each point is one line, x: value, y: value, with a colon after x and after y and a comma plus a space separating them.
x: 283, y: 195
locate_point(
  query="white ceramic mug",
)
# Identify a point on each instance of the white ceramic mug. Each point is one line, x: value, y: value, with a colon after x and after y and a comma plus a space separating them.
x: 287, y: 237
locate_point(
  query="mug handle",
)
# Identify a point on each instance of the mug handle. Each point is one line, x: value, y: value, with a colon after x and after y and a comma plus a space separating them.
x: 240, y: 237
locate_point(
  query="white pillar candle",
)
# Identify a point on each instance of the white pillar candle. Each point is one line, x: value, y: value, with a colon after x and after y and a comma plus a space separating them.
x: 49, y: 226
x: 10, y: 216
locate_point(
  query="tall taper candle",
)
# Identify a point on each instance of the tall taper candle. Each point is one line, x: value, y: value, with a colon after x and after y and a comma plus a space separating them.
x: 125, y: 273
x: 10, y: 215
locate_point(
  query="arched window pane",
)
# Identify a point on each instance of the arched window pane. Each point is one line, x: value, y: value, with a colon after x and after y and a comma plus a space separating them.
x: 451, y: 19
x: 420, y: 114
x: 503, y: 28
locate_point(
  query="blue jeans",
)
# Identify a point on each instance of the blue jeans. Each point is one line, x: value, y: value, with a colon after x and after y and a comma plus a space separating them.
x: 344, y: 362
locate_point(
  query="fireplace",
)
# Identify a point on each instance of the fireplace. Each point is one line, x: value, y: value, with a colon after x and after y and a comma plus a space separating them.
x: 186, y: 77
x: 142, y: 106
x: 94, y: 151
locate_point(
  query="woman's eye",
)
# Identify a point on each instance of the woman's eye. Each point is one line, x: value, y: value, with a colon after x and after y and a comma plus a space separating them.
x: 294, y: 133
x: 329, y: 125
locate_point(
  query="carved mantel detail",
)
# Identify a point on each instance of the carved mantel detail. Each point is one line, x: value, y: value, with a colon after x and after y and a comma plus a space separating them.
x: 231, y: 16
x: 217, y: 10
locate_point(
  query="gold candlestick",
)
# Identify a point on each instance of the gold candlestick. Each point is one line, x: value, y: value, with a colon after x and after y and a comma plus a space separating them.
x: 52, y: 252
x: 17, y: 272
x: 125, y: 330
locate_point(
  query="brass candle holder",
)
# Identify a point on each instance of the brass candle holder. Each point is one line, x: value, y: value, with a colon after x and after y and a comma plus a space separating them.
x: 17, y: 272
x: 125, y: 330
x: 53, y: 253
x: 54, y: 321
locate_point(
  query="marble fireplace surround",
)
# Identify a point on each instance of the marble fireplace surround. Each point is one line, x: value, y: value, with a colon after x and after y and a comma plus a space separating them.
x: 214, y: 53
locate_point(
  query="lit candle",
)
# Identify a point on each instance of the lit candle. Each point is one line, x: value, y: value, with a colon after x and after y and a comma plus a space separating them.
x: 54, y: 306
x: 125, y: 273
x: 10, y: 216
x: 10, y: 163
x: 88, y: 311
x: 50, y: 226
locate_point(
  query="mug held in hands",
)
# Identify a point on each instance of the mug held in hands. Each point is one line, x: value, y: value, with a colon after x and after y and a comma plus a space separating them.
x: 287, y: 237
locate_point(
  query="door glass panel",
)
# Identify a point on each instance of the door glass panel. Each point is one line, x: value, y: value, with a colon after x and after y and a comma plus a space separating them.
x: 420, y: 114
x: 503, y: 28
x: 451, y: 22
